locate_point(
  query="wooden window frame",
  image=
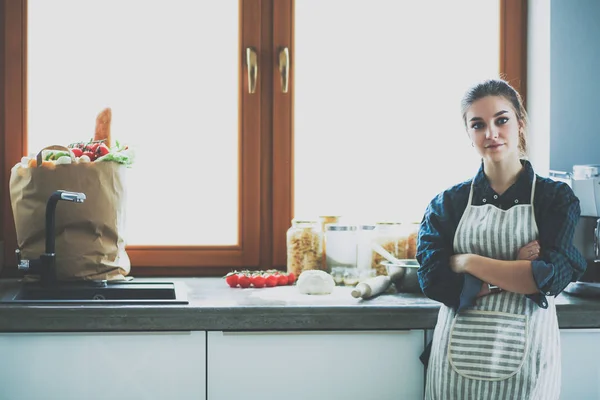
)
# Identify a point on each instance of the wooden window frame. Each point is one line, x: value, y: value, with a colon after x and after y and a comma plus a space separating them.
x: 513, y: 44
x: 513, y: 68
x: 266, y: 156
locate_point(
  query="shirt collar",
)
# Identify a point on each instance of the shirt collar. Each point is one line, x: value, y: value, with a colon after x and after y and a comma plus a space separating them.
x: 522, y: 185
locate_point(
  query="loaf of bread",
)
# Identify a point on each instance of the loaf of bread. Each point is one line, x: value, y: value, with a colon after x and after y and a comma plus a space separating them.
x: 103, y: 126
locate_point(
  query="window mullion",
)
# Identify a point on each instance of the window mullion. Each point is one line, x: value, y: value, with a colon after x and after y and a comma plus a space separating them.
x: 283, y: 153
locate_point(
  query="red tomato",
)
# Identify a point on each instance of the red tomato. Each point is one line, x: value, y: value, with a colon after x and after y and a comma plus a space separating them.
x: 91, y: 155
x: 231, y: 279
x: 271, y: 280
x: 77, y: 152
x: 102, y: 150
x: 291, y: 278
x: 259, y: 281
x: 244, y: 281
x: 282, y: 280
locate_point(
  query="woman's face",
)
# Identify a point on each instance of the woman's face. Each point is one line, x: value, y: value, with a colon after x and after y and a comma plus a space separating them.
x: 493, y: 127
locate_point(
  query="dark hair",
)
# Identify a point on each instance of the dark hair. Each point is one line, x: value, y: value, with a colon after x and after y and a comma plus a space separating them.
x: 498, y: 87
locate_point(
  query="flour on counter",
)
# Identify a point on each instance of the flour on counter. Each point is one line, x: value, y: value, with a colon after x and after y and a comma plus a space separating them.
x: 291, y: 295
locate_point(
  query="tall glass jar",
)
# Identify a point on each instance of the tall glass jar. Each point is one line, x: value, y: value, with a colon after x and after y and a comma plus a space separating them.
x: 413, y: 234
x: 364, y: 250
x: 341, y: 245
x: 393, y: 237
x: 325, y: 220
x: 304, y: 246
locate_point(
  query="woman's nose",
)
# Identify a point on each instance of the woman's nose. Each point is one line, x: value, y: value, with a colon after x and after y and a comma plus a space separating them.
x: 491, y: 133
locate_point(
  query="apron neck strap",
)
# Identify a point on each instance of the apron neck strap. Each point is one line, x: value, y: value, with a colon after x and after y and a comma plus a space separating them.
x: 471, y: 193
x: 532, y: 188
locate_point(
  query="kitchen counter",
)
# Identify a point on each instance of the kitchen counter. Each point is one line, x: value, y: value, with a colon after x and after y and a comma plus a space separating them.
x: 215, y: 306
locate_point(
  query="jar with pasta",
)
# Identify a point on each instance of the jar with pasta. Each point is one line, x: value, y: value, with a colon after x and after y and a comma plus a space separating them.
x: 393, y: 237
x: 323, y: 222
x: 413, y: 234
x: 304, y: 246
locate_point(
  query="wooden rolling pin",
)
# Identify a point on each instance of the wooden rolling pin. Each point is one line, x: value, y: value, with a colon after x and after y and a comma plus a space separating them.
x: 372, y: 287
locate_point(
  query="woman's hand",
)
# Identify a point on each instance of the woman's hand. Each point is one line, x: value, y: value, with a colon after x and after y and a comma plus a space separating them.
x: 484, y: 291
x: 530, y: 251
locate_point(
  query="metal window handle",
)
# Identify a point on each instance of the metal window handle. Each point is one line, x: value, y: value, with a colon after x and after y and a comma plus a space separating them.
x: 252, y: 65
x: 284, y: 68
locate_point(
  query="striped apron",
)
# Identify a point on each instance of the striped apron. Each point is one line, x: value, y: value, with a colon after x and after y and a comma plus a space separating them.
x: 506, y: 346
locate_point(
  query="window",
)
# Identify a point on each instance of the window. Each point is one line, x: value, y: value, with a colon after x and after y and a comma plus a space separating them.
x: 375, y: 144
x: 220, y: 171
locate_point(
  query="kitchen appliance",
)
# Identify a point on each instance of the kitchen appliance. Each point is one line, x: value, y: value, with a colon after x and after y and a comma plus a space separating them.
x: 584, y: 180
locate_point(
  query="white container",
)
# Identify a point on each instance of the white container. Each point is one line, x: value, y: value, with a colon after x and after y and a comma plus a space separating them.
x: 364, y: 252
x: 341, y: 245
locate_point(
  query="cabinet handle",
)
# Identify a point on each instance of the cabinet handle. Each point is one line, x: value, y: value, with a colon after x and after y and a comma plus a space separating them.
x: 284, y: 68
x: 252, y: 65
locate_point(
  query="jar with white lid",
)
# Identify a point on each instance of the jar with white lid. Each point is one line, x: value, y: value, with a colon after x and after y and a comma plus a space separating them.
x: 341, y: 246
x: 364, y: 235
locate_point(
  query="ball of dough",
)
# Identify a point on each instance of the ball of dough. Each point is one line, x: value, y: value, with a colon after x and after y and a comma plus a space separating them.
x: 315, y: 282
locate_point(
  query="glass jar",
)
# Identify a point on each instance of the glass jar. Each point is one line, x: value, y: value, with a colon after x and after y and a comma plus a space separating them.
x: 341, y: 246
x: 393, y: 237
x: 304, y: 247
x: 364, y: 235
x: 323, y: 222
x: 413, y: 234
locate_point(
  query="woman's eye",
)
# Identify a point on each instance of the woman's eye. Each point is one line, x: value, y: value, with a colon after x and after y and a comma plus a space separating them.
x: 502, y: 120
x: 477, y: 125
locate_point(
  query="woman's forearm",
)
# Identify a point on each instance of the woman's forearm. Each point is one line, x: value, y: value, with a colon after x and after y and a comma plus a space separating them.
x: 514, y: 276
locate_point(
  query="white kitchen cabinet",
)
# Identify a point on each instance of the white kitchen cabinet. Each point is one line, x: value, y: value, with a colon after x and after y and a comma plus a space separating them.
x: 315, y: 365
x: 102, y: 366
x: 580, y: 364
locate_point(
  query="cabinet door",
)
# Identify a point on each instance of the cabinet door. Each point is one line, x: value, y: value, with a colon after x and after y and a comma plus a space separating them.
x: 101, y: 366
x: 580, y: 364
x: 315, y: 365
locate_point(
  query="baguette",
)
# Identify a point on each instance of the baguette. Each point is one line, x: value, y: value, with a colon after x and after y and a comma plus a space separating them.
x: 103, y: 126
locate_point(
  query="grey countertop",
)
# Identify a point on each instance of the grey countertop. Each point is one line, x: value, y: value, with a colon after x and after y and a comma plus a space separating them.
x: 215, y: 306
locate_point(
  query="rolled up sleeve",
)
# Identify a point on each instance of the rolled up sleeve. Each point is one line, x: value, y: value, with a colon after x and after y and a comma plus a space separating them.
x: 560, y: 262
x: 434, y: 249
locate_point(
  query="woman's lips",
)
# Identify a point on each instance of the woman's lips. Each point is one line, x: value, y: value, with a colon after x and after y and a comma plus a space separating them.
x: 494, y: 145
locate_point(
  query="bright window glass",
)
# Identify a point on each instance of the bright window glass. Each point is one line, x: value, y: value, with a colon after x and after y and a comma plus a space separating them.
x: 378, y: 129
x: 169, y: 72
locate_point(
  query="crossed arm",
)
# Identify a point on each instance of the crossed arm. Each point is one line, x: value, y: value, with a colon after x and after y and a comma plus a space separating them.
x: 442, y: 273
x: 515, y: 276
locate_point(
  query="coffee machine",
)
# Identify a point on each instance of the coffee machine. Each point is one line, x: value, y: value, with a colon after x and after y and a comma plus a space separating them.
x: 584, y: 180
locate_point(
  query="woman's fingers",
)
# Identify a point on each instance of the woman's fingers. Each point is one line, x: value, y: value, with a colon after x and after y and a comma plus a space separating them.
x: 530, y: 251
x: 534, y: 250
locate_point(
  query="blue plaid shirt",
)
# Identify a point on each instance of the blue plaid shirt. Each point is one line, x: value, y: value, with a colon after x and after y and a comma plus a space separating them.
x: 556, y: 212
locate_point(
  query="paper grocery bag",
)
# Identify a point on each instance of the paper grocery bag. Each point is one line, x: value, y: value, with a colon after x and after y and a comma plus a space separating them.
x: 90, y: 236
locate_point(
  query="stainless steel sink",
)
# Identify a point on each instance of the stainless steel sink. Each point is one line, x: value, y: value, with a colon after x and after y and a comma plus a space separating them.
x: 101, y: 292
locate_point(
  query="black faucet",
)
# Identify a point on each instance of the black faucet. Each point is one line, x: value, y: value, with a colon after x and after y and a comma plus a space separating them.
x: 45, y: 267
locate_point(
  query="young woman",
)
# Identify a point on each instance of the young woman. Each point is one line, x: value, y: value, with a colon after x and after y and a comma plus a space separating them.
x: 496, y: 250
